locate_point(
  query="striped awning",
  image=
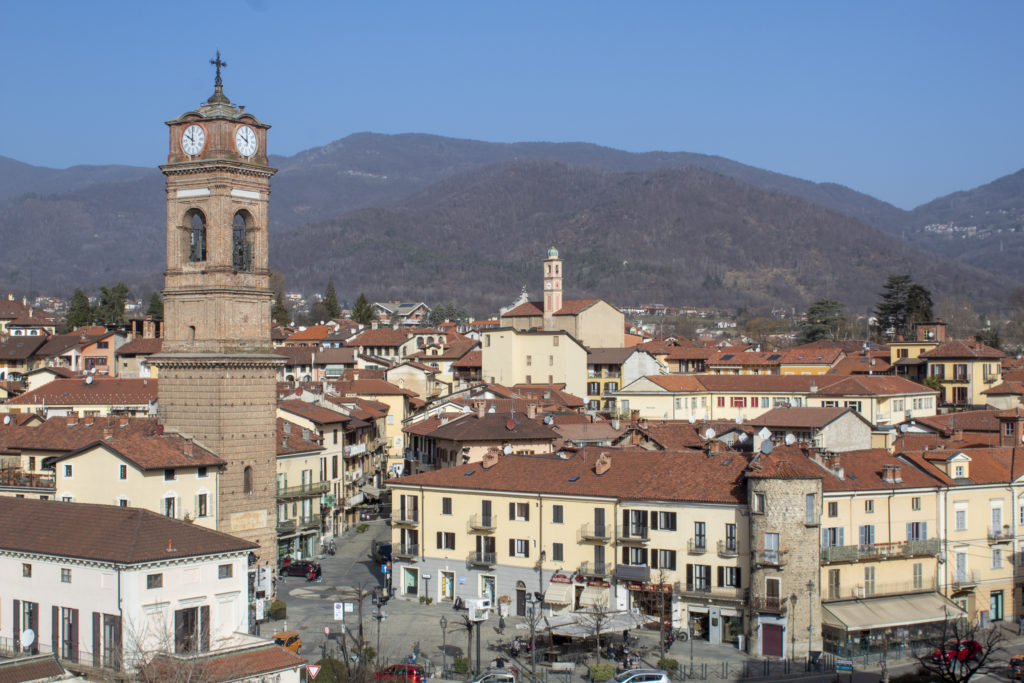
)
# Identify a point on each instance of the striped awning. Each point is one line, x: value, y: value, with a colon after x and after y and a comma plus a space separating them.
x: 594, y: 596
x: 558, y: 594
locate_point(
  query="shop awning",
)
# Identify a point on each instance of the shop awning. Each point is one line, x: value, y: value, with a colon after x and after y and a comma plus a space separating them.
x: 558, y: 594
x: 594, y: 596
x: 890, y: 611
x: 371, y: 490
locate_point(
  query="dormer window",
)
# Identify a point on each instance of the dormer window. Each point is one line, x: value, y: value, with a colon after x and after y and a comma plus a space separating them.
x: 959, y: 471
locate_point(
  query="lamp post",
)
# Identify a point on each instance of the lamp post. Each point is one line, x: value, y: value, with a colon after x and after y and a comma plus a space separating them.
x: 810, y: 619
x: 689, y: 621
x: 444, y: 645
x: 532, y: 601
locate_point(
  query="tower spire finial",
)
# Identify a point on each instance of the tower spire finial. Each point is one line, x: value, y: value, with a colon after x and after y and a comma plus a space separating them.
x: 218, y: 83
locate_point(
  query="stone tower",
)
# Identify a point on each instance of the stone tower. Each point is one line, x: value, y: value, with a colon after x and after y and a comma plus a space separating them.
x: 552, y: 288
x: 217, y: 369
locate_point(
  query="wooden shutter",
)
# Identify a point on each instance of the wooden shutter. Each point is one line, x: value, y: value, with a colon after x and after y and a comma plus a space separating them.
x: 438, y: 540
x: 654, y: 521
x: 511, y: 511
x: 97, y: 639
x: 179, y: 631
x: 721, y: 575
x: 118, y: 648
x: 17, y: 622
x: 689, y: 575
x: 55, y: 630
x: 204, y: 627
x: 625, y: 554
x: 625, y: 523
x: 526, y: 546
x: 739, y: 577
x: 527, y: 515
x: 511, y: 547
x: 654, y: 559
x: 74, y: 635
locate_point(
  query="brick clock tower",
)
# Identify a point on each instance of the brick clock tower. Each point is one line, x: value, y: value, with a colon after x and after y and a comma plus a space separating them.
x: 217, y: 370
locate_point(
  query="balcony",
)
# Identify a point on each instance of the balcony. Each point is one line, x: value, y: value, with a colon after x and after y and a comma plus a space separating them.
x: 355, y: 500
x: 727, y: 549
x: 595, y: 532
x: 770, y: 558
x: 633, y: 572
x: 303, y: 490
x: 480, y: 559
x: 701, y: 589
x: 355, y: 449
x: 697, y: 546
x: 407, y: 518
x: 595, y: 569
x: 770, y: 605
x: 1000, y: 534
x: 285, y: 526
x: 839, y: 554
x: 846, y: 592
x: 482, y: 523
x: 964, y: 581
x: 310, y: 522
x: 27, y: 480
x: 406, y: 551
x: 637, y: 535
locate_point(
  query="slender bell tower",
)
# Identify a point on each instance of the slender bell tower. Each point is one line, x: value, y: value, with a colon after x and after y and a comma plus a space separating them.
x: 552, y: 288
x: 217, y: 371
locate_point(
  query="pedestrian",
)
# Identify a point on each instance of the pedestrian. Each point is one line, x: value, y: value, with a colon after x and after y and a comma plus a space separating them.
x: 625, y: 636
x: 1020, y: 624
x: 501, y: 624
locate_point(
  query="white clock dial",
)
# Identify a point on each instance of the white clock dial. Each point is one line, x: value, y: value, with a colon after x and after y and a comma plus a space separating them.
x: 193, y: 140
x: 245, y: 141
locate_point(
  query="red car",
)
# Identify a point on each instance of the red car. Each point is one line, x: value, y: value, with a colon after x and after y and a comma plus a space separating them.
x: 960, y: 651
x: 413, y: 673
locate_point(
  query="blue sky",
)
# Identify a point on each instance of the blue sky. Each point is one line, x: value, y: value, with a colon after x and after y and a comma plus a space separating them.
x: 903, y: 100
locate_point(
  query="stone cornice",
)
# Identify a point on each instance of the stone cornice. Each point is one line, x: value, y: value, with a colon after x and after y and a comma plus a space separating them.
x: 214, y: 165
x: 207, y: 360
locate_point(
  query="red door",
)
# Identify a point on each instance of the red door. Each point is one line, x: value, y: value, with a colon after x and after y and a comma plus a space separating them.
x: 771, y: 640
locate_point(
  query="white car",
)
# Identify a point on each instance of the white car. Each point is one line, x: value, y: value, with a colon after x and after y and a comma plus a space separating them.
x: 642, y: 676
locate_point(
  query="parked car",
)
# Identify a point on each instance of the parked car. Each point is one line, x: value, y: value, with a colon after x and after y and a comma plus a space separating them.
x: 289, y: 640
x: 413, y: 673
x: 300, y: 568
x: 381, y: 552
x: 1015, y: 667
x: 497, y: 676
x: 642, y: 676
x: 961, y: 651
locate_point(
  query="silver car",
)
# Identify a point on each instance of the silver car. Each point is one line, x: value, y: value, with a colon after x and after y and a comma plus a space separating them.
x: 642, y: 676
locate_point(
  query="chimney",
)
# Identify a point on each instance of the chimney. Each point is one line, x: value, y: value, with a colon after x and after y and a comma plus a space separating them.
x: 107, y: 433
x: 72, y: 419
x: 633, y: 416
x: 490, y: 458
x: 188, y: 448
x: 531, y: 411
x: 481, y: 406
x: 615, y: 424
x: 837, y: 467
x: 891, y: 474
x: 124, y: 422
x: 958, y: 435
x: 603, y: 464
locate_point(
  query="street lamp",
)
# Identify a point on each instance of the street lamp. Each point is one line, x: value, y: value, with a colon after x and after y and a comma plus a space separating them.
x: 689, y: 621
x: 444, y: 645
x: 533, y: 601
x: 810, y: 619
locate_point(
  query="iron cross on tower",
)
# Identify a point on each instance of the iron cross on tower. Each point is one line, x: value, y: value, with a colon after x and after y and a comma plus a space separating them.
x: 218, y: 63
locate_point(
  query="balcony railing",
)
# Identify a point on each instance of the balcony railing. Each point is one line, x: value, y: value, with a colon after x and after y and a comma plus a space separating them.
x: 285, y: 526
x: 964, y: 580
x: 595, y: 532
x: 355, y: 449
x: 303, y: 490
x: 355, y: 500
x: 770, y: 558
x: 407, y: 518
x: 482, y: 523
x: 484, y: 559
x: 879, y: 551
x: 848, y: 591
x: 633, y: 572
x: 29, y: 480
x: 697, y: 546
x: 309, y: 522
x: 701, y: 589
x: 727, y: 549
x: 1000, y: 534
x: 775, y: 605
x: 406, y: 551
x: 597, y: 569
x: 632, y: 534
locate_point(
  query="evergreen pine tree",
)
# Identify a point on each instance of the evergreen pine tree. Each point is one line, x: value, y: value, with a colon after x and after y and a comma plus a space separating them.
x: 156, y: 306
x: 110, y: 310
x: 823, y: 320
x: 363, y: 312
x: 279, y: 312
x: 331, y: 301
x: 79, y: 311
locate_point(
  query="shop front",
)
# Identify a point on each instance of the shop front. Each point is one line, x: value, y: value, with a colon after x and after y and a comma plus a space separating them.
x: 885, y: 624
x: 653, y: 601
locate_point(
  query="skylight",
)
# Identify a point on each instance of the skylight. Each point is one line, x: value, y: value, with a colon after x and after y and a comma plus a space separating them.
x: 574, y: 478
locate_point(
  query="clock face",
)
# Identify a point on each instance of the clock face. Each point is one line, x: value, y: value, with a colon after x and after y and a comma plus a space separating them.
x: 193, y: 140
x: 245, y: 141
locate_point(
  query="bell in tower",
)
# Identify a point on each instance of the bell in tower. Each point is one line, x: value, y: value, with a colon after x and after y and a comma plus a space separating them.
x: 217, y: 371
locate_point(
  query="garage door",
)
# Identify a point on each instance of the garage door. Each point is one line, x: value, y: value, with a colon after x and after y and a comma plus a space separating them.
x: 771, y: 640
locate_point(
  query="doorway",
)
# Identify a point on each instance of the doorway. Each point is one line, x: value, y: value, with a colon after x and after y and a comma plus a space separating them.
x: 447, y: 585
x: 520, y: 599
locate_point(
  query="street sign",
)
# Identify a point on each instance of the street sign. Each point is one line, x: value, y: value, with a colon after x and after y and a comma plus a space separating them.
x: 350, y: 607
x: 425, y: 576
x: 844, y: 665
x: 327, y: 630
x: 312, y: 670
x: 339, y: 611
x: 259, y: 610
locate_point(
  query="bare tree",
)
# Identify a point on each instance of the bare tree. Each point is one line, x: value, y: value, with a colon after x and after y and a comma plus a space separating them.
x: 596, y: 619
x: 961, y: 648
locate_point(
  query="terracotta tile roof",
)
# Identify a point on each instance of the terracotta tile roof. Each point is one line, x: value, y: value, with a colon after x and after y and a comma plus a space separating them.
x: 731, y: 358
x: 863, y: 472
x: 106, y: 533
x: 552, y: 393
x: 58, y: 370
x: 496, y: 405
x: 294, y: 439
x: 11, y: 309
x: 919, y: 442
x: 312, y: 412
x: 453, y: 351
x: 430, y: 424
x: 335, y: 356
x: 34, y: 319
x: 968, y: 420
x: 279, y: 333
x: 153, y: 452
x: 20, y: 348
x: 370, y: 387
x: 230, y: 665
x: 1006, y: 388
x: 38, y: 668
x: 634, y: 475
x: 819, y: 356
x: 676, y: 383
x: 70, y: 433
x: 806, y: 418
x: 868, y: 385
x: 142, y: 346
x: 673, y: 435
x: 534, y: 308
x: 601, y: 430
x: 862, y: 365
x: 472, y: 359
x: 381, y: 337
x: 850, y: 346
x: 296, y: 355
x: 101, y: 391
x: 689, y: 353
x: 12, y: 387
x: 960, y: 348
x: 608, y: 356
x: 785, y: 462
x: 353, y: 374
x: 495, y: 427
x: 311, y: 333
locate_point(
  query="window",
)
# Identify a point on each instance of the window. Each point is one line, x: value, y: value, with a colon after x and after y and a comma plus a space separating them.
x: 869, y: 506
x: 721, y: 401
x: 446, y: 506
x: 833, y: 584
x: 663, y: 559
x: 67, y: 471
x: 65, y: 575
x: 757, y: 503
x: 247, y: 485
x: 487, y: 340
x: 830, y: 404
x: 557, y: 554
x: 960, y: 518
x: 529, y: 360
x: 225, y: 571
x: 557, y: 514
x: 123, y: 502
x: 593, y: 388
x: 869, y: 580
x: 518, y: 547
x: 241, y: 248
x: 918, y: 576
x: 26, y: 570
x: 201, y: 509
x: 201, y: 473
x: 960, y: 372
x: 192, y: 630
x: 729, y: 576
x: 666, y: 521
x: 122, y: 472
x: 197, y: 245
x: 856, y: 405
x: 519, y: 512
x: 738, y: 402
x: 65, y: 499
x: 866, y: 535
x: 915, y: 503
x: 833, y: 509
x: 154, y: 581
x: 832, y: 536
x: 699, y: 536
x: 997, y: 558
x: 730, y: 538
x: 634, y: 556
x: 554, y: 341
x: 917, y: 531
x: 958, y: 472
x: 810, y: 509
x: 69, y: 634
x: 897, y: 405
x: 169, y: 506
x: 698, y: 577
x: 938, y: 371
x: 445, y: 540
x: 168, y: 475
x: 391, y: 419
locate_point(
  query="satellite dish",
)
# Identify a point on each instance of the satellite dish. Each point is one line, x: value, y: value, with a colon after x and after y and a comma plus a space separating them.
x: 1021, y: 437
x: 692, y: 419
x: 742, y: 437
x: 548, y: 419
x: 562, y: 455
x: 903, y: 428
x: 7, y: 419
x: 790, y: 439
x: 765, y: 433
x: 767, y: 447
x: 28, y: 636
x: 92, y: 371
x: 508, y: 449
x: 88, y: 380
x: 739, y: 420
x: 709, y: 433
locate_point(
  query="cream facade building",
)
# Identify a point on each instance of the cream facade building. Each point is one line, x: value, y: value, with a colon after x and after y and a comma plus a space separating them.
x: 511, y: 356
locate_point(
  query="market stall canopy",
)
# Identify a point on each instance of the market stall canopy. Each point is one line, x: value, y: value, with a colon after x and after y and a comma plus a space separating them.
x: 890, y: 611
x: 583, y: 623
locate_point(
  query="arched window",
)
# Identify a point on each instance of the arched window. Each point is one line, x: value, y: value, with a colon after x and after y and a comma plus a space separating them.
x: 241, y: 247
x: 197, y: 239
x: 247, y: 480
